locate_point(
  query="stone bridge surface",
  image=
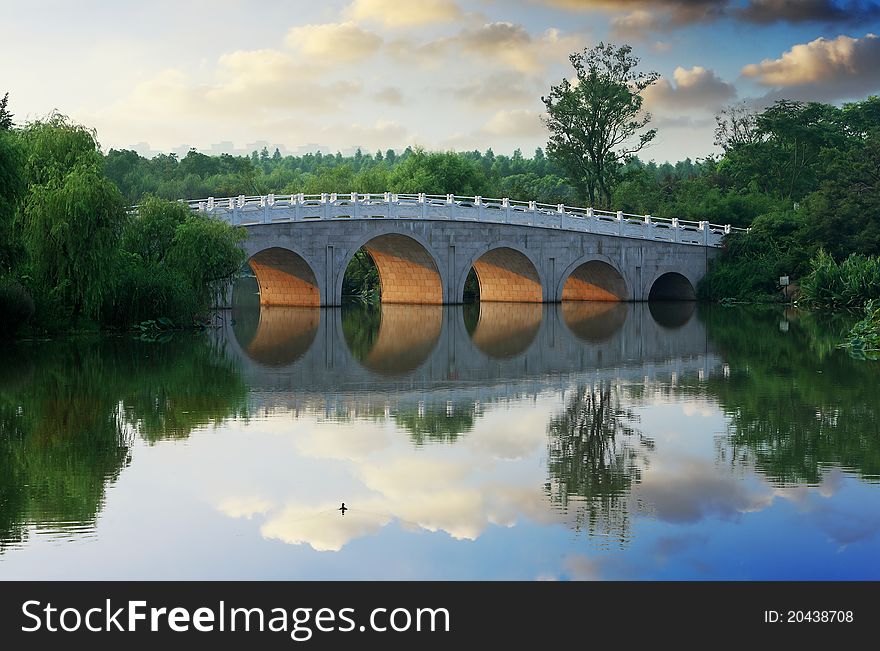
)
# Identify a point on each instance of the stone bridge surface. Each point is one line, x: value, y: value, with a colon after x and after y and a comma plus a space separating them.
x: 424, y: 247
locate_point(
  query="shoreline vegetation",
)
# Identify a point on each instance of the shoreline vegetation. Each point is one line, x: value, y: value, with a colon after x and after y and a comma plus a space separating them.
x: 802, y: 176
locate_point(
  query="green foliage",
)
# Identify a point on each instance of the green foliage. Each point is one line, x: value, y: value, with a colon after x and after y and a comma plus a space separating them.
x: 144, y: 291
x: 435, y: 425
x: 361, y: 279
x: 71, y: 409
x: 205, y: 251
x: 786, y: 419
x: 863, y: 341
x: 747, y: 269
x: 5, y: 115
x: 848, y: 284
x: 55, y: 147
x: 71, y: 230
x: 596, y: 123
x: 438, y: 173
x: 173, y: 263
x: 16, y: 308
x: 12, y: 189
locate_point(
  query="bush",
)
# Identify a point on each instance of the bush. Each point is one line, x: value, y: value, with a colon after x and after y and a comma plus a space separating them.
x: 148, y: 291
x: 16, y: 308
x: 747, y: 270
x: 848, y: 284
x: 863, y: 341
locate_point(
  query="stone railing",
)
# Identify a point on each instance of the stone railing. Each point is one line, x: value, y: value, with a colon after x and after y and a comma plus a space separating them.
x: 277, y: 208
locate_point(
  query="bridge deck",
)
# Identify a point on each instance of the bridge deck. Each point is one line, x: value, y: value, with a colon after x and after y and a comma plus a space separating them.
x: 267, y: 209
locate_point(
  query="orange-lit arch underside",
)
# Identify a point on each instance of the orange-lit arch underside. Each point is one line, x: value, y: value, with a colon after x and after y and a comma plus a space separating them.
x: 594, y: 281
x: 285, y: 278
x: 407, y: 272
x: 507, y: 275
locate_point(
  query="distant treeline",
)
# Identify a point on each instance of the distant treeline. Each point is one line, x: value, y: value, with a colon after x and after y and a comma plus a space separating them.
x: 198, y: 175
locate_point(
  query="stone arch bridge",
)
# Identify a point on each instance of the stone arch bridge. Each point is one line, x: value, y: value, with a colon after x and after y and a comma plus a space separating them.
x: 424, y: 247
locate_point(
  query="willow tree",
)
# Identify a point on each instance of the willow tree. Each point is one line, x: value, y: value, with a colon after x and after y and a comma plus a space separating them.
x: 596, y: 121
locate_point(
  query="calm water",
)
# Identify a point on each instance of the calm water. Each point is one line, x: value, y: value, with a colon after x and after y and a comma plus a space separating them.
x: 582, y: 441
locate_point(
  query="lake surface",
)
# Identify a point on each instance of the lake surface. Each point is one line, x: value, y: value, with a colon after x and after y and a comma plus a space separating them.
x: 574, y: 441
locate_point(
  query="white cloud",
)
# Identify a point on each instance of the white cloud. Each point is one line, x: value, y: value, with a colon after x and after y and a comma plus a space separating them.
x: 389, y: 95
x: 690, y: 88
x: 500, y: 44
x: 822, y: 61
x: 394, y: 13
x: 334, y: 42
x: 515, y: 123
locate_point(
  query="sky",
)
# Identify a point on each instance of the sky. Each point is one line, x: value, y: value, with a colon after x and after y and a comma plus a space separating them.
x: 232, y: 76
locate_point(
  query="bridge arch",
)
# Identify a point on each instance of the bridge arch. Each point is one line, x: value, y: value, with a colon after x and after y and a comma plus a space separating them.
x: 285, y: 278
x: 505, y: 273
x: 593, y: 278
x: 408, y: 270
x: 671, y: 286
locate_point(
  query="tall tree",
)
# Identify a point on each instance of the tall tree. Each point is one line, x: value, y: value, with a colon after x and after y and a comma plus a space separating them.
x: 5, y: 115
x: 736, y: 125
x: 597, y: 122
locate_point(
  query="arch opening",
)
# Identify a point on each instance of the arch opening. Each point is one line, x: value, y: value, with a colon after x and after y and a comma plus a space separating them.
x: 506, y: 275
x: 595, y: 281
x: 395, y: 269
x: 672, y: 286
x: 285, y: 278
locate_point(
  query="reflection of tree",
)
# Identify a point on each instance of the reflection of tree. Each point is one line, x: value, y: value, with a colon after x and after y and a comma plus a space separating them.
x: 435, y: 425
x: 360, y: 327
x: 595, y: 458
x: 795, y: 403
x: 66, y: 430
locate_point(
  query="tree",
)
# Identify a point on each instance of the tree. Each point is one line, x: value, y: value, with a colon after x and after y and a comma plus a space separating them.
x: 5, y: 115
x: 597, y: 123
x: 71, y: 229
x: 736, y: 125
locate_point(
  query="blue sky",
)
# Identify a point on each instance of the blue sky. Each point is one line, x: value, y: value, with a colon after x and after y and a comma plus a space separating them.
x: 444, y: 74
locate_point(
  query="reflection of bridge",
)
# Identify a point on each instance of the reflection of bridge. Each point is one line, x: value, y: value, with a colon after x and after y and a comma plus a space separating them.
x: 424, y: 247
x: 289, y: 353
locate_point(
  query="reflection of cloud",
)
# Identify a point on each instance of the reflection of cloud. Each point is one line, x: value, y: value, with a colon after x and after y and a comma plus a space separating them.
x: 323, y: 527
x: 244, y: 507
x: 693, y: 490
x: 510, y: 435
x: 341, y: 442
x: 842, y: 523
x: 460, y: 494
x: 667, y: 546
x: 582, y: 568
x: 694, y: 408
